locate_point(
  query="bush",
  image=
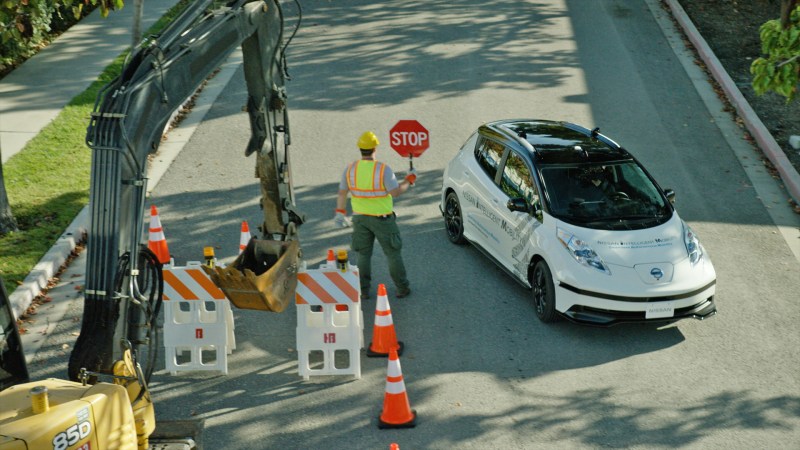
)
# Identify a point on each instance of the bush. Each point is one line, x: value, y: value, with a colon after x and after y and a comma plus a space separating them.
x: 779, y: 69
x: 28, y: 25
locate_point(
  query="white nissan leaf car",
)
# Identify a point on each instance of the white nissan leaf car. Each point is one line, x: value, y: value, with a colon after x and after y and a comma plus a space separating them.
x: 575, y: 218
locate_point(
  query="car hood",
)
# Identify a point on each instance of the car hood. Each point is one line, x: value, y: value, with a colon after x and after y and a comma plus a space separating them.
x: 629, y: 248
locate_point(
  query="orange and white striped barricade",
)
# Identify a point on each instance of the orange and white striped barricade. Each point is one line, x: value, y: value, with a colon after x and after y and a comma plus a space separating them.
x: 324, y: 327
x: 198, y: 321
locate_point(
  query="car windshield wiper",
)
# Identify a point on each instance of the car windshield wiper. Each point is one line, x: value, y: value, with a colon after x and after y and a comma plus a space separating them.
x: 631, y: 217
x: 568, y: 218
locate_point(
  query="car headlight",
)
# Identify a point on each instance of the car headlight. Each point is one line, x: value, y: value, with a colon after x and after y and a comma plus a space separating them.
x: 581, y: 251
x: 693, y: 246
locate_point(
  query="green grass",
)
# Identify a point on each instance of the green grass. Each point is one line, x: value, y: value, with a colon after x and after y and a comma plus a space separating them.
x: 48, y: 181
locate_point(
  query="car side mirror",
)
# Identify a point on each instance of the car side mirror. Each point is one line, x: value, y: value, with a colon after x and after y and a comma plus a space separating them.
x: 670, y: 195
x: 518, y: 204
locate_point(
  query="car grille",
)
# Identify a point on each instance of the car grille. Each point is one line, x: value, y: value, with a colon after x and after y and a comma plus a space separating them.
x: 605, y: 317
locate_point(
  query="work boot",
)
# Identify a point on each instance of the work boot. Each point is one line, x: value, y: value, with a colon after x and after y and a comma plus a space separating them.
x: 403, y: 292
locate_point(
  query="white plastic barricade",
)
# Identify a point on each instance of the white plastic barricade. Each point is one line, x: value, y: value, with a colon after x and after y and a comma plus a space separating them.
x: 330, y: 323
x: 198, y: 321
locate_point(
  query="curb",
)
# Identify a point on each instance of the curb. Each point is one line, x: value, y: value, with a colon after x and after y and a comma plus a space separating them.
x: 764, y: 139
x: 49, y: 265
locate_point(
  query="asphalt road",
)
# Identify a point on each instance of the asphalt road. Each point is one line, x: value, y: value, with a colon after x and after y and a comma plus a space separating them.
x: 479, y: 368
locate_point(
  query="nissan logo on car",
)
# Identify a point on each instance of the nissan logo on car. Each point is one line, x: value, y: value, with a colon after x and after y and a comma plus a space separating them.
x: 656, y: 273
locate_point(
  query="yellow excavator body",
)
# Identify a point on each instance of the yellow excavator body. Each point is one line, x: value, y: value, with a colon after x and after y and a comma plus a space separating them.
x: 75, y: 416
x: 61, y: 414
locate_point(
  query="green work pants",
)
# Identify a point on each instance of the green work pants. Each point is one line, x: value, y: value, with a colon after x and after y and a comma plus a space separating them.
x: 365, y: 230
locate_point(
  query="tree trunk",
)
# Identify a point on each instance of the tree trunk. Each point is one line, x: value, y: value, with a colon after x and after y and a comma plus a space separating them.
x: 136, y: 33
x: 787, y: 6
x: 7, y: 221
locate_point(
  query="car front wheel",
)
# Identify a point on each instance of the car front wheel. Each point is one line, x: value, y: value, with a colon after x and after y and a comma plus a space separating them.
x: 544, y: 293
x: 453, y: 221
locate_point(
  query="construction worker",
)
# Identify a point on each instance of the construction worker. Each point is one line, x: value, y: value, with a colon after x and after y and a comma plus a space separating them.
x: 372, y: 186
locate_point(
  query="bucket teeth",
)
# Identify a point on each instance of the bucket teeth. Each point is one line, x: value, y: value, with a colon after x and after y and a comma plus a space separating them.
x: 263, y: 277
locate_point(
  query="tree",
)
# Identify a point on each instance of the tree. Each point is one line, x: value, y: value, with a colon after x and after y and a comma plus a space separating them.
x: 779, y: 69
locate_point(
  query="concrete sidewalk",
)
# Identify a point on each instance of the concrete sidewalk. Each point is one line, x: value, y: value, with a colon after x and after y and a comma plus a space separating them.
x: 34, y: 93
x: 90, y: 49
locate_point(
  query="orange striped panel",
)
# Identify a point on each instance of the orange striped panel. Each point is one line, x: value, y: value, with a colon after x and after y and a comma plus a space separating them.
x: 200, y: 277
x: 320, y: 287
x: 349, y: 290
x: 178, y: 285
x: 309, y: 282
x: 189, y: 283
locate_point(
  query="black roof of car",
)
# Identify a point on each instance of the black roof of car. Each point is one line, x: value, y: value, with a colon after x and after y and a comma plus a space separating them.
x: 557, y: 142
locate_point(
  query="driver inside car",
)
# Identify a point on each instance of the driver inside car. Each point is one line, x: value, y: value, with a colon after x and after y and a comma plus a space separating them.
x: 594, y: 184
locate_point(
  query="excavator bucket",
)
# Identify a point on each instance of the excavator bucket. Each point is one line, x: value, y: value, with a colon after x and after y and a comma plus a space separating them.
x: 263, y: 277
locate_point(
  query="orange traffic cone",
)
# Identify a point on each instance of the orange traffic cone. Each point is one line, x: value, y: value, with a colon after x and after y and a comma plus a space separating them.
x: 397, y: 412
x: 157, y: 242
x: 244, y: 237
x: 384, y: 338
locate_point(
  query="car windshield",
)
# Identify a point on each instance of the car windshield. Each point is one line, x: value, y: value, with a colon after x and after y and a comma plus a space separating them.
x: 604, y: 195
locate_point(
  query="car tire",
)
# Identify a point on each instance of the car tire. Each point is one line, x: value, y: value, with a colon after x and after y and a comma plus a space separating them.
x: 453, y: 220
x: 544, y: 293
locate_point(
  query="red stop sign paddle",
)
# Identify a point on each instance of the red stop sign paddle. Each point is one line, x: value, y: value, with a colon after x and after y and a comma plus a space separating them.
x: 409, y: 138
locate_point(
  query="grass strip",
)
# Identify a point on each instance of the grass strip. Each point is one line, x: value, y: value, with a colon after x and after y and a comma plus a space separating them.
x: 48, y: 181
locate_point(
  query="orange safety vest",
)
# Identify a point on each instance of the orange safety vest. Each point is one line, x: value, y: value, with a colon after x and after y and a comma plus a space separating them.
x: 368, y: 195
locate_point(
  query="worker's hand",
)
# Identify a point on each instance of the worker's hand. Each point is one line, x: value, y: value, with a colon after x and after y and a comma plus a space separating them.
x: 340, y: 219
x: 411, y: 177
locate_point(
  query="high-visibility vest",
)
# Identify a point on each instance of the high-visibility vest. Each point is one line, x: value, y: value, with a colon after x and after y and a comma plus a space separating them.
x: 368, y: 195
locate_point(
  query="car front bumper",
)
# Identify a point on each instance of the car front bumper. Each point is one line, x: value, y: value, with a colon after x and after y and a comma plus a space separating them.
x: 592, y: 308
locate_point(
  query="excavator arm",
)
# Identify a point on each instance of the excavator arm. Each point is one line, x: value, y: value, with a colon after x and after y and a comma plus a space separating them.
x: 123, y: 284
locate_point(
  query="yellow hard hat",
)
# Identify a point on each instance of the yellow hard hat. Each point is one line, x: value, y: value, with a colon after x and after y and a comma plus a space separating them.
x: 368, y: 141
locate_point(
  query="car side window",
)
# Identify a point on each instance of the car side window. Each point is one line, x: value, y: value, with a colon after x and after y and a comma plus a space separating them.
x: 489, y: 154
x: 517, y: 181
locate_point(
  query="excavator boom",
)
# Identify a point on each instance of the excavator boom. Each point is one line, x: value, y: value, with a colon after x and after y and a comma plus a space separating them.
x: 123, y: 284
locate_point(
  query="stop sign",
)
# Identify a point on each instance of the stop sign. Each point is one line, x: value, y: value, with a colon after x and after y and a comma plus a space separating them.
x: 409, y: 138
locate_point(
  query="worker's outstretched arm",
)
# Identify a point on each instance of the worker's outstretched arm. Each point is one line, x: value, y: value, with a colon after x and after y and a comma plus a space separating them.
x: 411, y: 177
